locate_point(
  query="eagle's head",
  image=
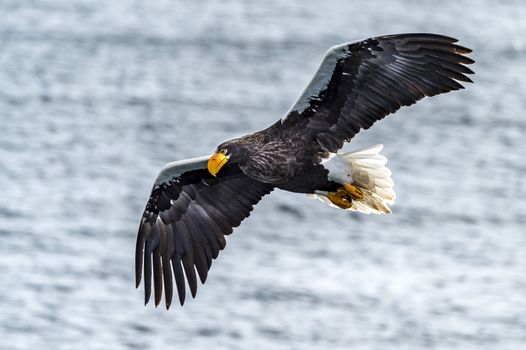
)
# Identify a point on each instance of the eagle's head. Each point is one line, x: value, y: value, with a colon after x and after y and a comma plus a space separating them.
x: 232, y: 151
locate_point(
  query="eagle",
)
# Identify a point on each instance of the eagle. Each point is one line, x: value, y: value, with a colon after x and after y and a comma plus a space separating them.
x: 196, y: 202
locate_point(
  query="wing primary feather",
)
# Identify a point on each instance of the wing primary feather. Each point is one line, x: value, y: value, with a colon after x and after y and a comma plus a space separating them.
x: 207, y: 227
x: 437, y: 46
x: 176, y: 264
x: 188, y: 257
x: 213, y: 203
x: 179, y: 278
x: 147, y: 272
x: 157, y: 276
x: 448, y: 56
x: 167, y: 270
x: 139, y: 251
x: 217, y: 217
x: 204, y: 239
x: 201, y: 263
x: 452, y: 73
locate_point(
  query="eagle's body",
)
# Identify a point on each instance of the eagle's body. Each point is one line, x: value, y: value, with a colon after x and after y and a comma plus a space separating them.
x: 281, y: 158
x: 195, y: 202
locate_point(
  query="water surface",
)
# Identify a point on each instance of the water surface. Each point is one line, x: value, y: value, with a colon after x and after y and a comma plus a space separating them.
x: 96, y: 96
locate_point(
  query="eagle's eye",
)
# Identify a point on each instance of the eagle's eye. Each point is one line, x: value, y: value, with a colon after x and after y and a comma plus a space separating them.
x: 223, y: 151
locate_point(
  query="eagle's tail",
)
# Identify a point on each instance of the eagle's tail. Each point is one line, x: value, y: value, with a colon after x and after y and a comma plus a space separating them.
x: 372, y: 177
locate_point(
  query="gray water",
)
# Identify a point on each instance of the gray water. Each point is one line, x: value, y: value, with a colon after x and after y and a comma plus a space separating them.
x: 95, y: 96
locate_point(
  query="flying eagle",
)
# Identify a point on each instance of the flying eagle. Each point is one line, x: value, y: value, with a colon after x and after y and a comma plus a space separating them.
x: 194, y: 203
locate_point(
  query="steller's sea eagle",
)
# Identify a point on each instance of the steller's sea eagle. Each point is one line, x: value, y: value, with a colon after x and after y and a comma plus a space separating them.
x: 194, y: 203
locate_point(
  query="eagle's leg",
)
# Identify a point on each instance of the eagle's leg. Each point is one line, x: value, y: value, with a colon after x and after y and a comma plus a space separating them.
x: 344, y: 196
x: 354, y: 191
x: 340, y: 198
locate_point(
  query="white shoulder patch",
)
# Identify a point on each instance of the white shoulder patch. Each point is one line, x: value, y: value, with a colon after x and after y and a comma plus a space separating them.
x: 320, y: 80
x: 179, y: 167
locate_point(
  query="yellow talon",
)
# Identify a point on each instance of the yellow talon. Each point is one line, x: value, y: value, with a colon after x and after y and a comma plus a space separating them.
x: 344, y: 196
x: 353, y: 191
x: 340, y: 198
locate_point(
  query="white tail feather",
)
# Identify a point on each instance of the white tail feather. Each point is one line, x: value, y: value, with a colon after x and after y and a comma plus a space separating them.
x: 370, y: 174
x: 365, y: 169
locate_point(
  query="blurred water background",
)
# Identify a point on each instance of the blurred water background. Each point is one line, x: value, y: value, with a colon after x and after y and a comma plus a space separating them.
x: 95, y: 96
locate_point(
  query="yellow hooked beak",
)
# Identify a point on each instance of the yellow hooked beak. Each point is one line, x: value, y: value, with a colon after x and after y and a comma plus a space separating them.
x: 216, y: 162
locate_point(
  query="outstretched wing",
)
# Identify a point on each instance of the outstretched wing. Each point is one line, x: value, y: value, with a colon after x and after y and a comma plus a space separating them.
x: 184, y: 223
x: 361, y: 82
